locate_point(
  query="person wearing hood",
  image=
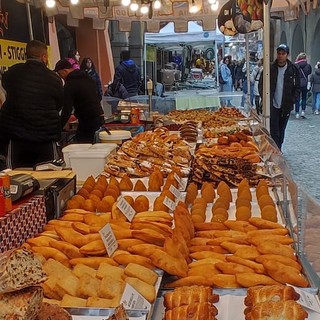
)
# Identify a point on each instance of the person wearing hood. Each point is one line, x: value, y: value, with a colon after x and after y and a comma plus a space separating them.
x: 128, y: 74
x: 304, y: 73
x: 80, y: 94
x: 315, y: 85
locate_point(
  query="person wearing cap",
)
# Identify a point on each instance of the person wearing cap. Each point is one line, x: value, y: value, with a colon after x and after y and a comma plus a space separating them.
x: 305, y: 71
x: 284, y: 91
x: 80, y: 95
x: 29, y: 119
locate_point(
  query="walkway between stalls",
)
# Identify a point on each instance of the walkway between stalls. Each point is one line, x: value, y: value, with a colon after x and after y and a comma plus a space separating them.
x: 301, y: 149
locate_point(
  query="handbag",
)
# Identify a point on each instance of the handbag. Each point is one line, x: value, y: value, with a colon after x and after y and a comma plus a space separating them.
x: 221, y: 81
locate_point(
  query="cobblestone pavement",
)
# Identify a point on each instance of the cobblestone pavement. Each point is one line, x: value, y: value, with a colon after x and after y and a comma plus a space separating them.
x: 301, y: 150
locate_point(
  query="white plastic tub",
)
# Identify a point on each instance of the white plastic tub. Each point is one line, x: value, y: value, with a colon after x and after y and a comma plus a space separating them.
x: 117, y: 136
x: 104, y: 147
x: 87, y: 163
x: 72, y: 148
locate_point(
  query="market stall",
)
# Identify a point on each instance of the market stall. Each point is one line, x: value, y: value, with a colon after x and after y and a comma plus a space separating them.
x: 209, y: 205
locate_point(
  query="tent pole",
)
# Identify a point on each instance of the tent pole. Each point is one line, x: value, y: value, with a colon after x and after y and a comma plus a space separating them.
x: 29, y: 21
x: 248, y: 96
x: 266, y: 65
x: 145, y: 65
x: 216, y: 63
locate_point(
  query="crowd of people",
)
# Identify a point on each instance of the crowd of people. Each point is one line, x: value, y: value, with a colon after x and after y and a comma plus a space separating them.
x: 38, y: 102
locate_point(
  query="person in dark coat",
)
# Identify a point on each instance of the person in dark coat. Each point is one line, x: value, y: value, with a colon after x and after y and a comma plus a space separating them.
x: 128, y: 74
x: 315, y: 85
x: 284, y: 90
x: 88, y: 66
x: 80, y: 94
x: 29, y: 119
x: 304, y: 74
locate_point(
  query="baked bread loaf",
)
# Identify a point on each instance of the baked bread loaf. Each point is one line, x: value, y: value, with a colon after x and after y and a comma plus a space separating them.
x: 24, y: 304
x: 50, y: 311
x: 275, y: 310
x: 19, y: 268
x: 260, y: 294
x: 199, y: 311
x: 189, y: 295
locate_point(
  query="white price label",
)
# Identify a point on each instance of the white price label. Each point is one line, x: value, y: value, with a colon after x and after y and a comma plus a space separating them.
x: 169, y: 203
x: 175, y: 192
x: 308, y: 300
x: 182, y: 182
x: 109, y: 239
x: 132, y: 299
x: 177, y: 178
x: 126, y: 209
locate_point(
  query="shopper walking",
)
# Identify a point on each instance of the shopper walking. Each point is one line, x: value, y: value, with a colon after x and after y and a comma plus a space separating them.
x: 88, y: 67
x: 304, y: 75
x: 238, y: 75
x: 255, y: 77
x: 80, y: 94
x: 29, y: 118
x: 128, y: 74
x: 225, y: 80
x: 252, y: 63
x: 284, y: 90
x: 315, y: 87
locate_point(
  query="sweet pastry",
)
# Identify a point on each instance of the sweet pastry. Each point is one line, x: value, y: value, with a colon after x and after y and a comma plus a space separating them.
x: 50, y: 311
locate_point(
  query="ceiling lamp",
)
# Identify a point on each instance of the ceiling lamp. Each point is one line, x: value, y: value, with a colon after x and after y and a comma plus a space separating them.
x: 193, y: 7
x: 50, y: 3
x: 215, y: 6
x: 157, y: 4
x: 74, y: 1
x: 134, y: 6
x: 144, y: 9
x: 125, y: 2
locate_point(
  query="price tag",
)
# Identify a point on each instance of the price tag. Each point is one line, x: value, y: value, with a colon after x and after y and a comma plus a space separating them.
x: 178, y: 179
x: 308, y: 300
x: 126, y: 209
x: 132, y: 299
x: 175, y: 192
x: 182, y: 182
x: 169, y: 203
x: 108, y: 239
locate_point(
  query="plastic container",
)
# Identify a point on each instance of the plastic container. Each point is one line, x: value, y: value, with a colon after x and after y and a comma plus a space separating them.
x: 87, y: 163
x: 125, y: 116
x: 117, y: 136
x: 135, y: 115
x: 71, y: 148
x: 111, y: 147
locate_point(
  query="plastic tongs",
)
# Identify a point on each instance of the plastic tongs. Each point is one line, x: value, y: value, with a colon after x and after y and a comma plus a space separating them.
x: 107, y: 131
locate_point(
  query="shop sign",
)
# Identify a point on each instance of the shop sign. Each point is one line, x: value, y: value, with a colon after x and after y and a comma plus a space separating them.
x: 11, y: 52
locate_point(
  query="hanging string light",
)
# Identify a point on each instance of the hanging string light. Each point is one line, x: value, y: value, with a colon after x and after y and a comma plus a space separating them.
x: 74, y: 2
x: 157, y: 4
x: 193, y: 7
x: 134, y: 6
x: 215, y: 6
x: 50, y: 3
x: 125, y: 2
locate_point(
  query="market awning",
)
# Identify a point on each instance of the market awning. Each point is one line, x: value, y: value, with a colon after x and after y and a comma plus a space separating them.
x: 176, y: 11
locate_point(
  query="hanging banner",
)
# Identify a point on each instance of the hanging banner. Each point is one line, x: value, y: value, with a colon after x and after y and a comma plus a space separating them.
x: 151, y: 53
x: 11, y: 52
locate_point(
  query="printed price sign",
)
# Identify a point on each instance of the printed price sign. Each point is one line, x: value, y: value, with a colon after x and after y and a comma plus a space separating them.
x: 175, y: 192
x: 308, y: 300
x: 108, y: 239
x: 132, y: 299
x: 182, y: 182
x: 126, y: 209
x: 169, y: 203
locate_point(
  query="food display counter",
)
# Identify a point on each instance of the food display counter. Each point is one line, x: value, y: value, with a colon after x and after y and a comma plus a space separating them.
x: 195, y: 221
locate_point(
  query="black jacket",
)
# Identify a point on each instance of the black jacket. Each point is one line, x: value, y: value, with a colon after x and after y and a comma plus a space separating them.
x: 34, y: 99
x: 129, y: 75
x: 291, y: 86
x: 80, y: 93
x: 304, y: 71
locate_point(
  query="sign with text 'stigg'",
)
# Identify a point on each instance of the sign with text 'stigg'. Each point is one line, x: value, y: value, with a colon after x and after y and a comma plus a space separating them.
x: 11, y: 52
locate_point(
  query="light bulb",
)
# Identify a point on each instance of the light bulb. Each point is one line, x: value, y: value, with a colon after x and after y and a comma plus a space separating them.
x: 144, y: 9
x: 215, y: 6
x: 193, y: 8
x: 74, y: 1
x: 212, y: 1
x: 134, y: 6
x: 157, y: 4
x: 125, y: 2
x: 50, y: 3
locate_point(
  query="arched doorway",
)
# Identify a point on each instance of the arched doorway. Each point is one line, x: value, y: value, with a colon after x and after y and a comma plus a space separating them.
x: 315, y: 48
x: 297, y: 45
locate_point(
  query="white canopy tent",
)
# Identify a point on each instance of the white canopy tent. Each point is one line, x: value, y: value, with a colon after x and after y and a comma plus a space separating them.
x: 195, y: 34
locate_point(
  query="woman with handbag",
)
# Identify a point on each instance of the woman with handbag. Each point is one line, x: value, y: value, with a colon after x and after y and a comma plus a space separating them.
x: 225, y: 80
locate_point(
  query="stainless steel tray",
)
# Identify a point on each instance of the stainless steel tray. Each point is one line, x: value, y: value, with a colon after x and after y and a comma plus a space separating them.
x: 97, y: 313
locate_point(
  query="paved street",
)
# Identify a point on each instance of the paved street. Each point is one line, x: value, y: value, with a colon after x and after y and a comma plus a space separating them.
x: 301, y: 149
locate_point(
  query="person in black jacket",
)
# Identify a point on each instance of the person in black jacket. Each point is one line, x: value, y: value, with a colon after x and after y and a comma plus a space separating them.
x: 29, y: 119
x: 284, y: 90
x: 128, y: 74
x: 80, y: 94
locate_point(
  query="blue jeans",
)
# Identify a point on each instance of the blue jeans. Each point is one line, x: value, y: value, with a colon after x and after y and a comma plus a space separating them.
x: 316, y: 97
x: 304, y: 92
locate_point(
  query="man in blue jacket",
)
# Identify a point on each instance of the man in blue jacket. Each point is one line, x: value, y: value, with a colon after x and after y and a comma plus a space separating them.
x: 284, y: 90
x: 128, y: 74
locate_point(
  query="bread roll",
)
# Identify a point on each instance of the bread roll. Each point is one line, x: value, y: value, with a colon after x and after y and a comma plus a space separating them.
x: 19, y: 268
